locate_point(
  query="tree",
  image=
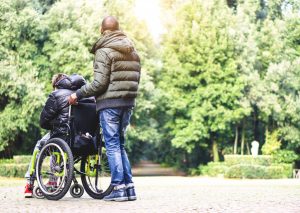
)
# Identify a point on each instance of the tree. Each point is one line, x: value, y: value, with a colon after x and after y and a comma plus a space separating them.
x: 200, y: 76
x: 47, y: 37
x: 21, y: 92
x: 21, y: 99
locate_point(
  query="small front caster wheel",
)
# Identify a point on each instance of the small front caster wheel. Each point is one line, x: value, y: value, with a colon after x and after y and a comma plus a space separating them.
x: 76, y: 190
x: 37, y: 193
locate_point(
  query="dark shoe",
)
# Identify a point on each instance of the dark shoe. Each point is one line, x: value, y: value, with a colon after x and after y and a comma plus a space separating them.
x: 131, y: 193
x: 117, y: 194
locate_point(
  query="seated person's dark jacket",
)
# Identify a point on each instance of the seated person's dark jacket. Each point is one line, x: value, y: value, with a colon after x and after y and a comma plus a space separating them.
x: 54, y: 115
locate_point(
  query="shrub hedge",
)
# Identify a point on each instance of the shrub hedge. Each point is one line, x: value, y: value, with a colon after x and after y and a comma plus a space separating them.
x: 263, y: 160
x: 214, y: 169
x: 251, y: 171
x: 235, y: 166
x: 22, y: 158
x: 15, y: 167
x: 246, y: 171
x: 284, y: 156
x: 6, y: 161
x: 247, y: 166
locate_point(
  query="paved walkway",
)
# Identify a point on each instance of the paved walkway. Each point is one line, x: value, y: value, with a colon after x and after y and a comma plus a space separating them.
x: 148, y: 168
x: 170, y: 194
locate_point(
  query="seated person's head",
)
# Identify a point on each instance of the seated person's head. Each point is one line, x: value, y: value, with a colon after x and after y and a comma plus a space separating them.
x: 56, y: 78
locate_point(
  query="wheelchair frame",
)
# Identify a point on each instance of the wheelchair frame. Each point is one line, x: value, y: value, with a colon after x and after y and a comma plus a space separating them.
x: 87, y: 169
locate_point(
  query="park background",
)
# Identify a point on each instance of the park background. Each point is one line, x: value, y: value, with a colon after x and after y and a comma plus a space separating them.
x: 216, y: 75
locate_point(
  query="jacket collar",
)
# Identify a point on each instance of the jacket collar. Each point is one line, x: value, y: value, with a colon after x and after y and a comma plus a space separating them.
x: 108, y: 37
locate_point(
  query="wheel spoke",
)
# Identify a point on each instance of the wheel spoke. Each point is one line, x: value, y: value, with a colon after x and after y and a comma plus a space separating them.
x: 54, y: 169
x: 95, y: 182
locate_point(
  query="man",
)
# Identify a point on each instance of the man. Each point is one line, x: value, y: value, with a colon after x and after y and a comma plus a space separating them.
x: 54, y: 117
x: 115, y: 86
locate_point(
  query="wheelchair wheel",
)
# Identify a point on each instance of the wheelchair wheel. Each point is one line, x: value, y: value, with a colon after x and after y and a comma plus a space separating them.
x: 96, y: 178
x: 37, y: 193
x: 76, y: 190
x: 54, y: 169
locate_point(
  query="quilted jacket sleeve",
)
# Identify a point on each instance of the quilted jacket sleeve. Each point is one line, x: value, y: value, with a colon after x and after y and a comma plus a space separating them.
x: 49, y: 112
x: 102, y: 67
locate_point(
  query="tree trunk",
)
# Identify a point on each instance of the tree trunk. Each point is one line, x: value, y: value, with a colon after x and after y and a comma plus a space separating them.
x: 248, y: 148
x: 215, y: 150
x: 243, y: 139
x: 256, y: 124
x: 236, y: 140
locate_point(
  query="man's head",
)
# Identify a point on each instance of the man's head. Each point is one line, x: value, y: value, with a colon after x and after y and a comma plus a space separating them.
x: 109, y: 23
x: 56, y: 78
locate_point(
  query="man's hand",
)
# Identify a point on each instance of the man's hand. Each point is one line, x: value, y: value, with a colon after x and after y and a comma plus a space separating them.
x: 73, y: 99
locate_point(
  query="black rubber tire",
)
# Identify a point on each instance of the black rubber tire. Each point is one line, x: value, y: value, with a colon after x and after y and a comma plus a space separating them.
x: 37, y: 193
x: 65, y: 147
x: 89, y: 191
x: 76, y: 190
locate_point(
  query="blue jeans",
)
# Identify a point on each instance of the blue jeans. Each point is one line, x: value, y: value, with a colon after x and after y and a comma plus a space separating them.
x: 113, y: 122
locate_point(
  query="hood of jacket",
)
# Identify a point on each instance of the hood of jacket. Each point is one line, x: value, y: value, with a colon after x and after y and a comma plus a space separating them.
x: 72, y: 82
x: 116, y: 40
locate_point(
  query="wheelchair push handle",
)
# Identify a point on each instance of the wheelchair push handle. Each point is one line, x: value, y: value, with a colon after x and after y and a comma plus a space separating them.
x: 70, y: 110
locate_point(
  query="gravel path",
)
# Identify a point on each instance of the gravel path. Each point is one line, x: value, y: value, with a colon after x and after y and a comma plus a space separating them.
x: 170, y: 194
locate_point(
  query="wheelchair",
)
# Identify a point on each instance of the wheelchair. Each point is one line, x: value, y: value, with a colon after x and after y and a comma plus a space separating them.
x: 81, y: 154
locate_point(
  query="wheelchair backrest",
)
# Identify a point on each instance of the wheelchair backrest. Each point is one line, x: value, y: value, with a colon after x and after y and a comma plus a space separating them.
x: 84, y: 117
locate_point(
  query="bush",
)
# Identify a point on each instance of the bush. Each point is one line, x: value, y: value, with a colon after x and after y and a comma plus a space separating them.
x: 275, y: 172
x: 13, y: 169
x: 246, y: 171
x: 22, y: 158
x: 247, y: 166
x: 260, y: 172
x: 282, y: 170
x: 263, y: 160
x: 6, y: 161
x: 284, y: 156
x: 272, y: 143
x: 213, y: 169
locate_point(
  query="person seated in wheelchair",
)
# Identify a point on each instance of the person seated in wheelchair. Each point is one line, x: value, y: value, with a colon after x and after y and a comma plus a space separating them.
x: 54, y: 117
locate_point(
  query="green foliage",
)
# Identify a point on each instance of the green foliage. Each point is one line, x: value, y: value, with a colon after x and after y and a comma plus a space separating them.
x: 285, y: 156
x: 226, y: 68
x: 200, y: 75
x: 143, y: 126
x: 213, y: 169
x: 69, y: 38
x: 21, y: 98
x: 249, y: 167
x: 218, y: 69
x: 248, y: 171
x: 46, y: 37
x: 4, y: 161
x: 283, y: 80
x: 272, y: 144
x: 282, y: 170
x: 263, y: 160
x: 13, y: 169
x: 21, y: 159
x: 251, y: 171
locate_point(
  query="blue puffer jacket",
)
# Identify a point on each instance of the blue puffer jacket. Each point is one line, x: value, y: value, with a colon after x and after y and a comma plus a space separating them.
x: 54, y: 115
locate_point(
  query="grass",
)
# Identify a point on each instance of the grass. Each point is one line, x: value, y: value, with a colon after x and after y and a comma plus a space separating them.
x: 9, y: 182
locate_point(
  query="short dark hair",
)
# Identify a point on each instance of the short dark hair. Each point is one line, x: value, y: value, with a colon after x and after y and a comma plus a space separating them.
x: 56, y: 78
x: 110, y: 23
